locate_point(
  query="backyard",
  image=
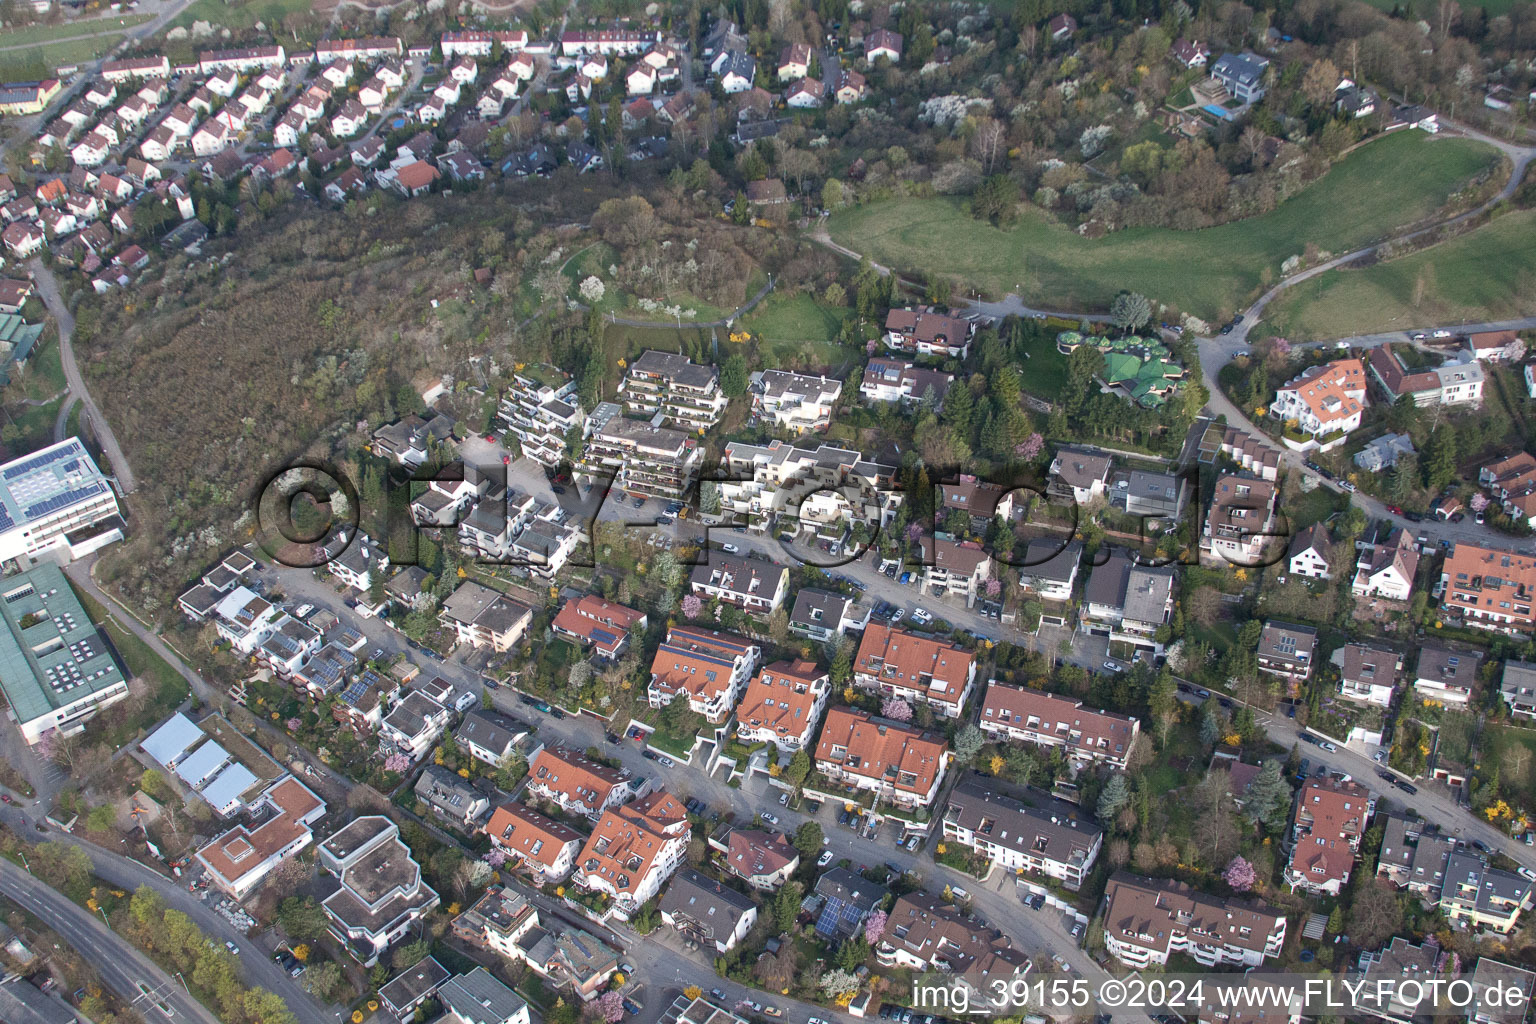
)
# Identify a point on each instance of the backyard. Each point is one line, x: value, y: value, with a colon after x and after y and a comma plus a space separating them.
x: 1455, y: 282
x: 1394, y: 181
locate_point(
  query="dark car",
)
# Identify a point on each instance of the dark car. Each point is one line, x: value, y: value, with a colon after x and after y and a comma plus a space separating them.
x: 1413, y: 517
x: 630, y: 1006
x: 648, y: 754
x: 1405, y: 787
x: 1226, y: 328
x: 1385, y: 776
x: 1482, y: 847
x: 610, y: 737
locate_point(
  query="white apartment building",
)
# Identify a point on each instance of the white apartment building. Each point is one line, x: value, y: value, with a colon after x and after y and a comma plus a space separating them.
x: 766, y: 482
x: 794, y: 402
x: 382, y: 895
x: 414, y: 725
x: 674, y: 389
x: 1146, y: 919
x: 643, y: 460
x: 1019, y: 838
x: 541, y: 410
x: 55, y: 502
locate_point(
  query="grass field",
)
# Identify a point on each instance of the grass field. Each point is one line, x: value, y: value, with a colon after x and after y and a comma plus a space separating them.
x: 1489, y: 274
x: 1394, y: 181
x: 40, y: 60
x: 33, y: 35
x: 220, y: 13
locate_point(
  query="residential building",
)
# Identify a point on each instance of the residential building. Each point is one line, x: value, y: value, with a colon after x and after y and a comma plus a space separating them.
x: 382, y: 895
x: 707, y: 668
x: 1481, y: 897
x: 412, y: 987
x: 55, y: 503
x: 240, y: 859
x: 1242, y: 74
x: 567, y: 957
x: 642, y: 459
x: 847, y: 900
x: 542, y: 411
x: 1518, y: 688
x: 821, y: 615
x: 1308, y: 553
x: 1512, y: 483
x: 541, y: 846
x: 633, y: 850
x: 883, y: 43
x: 1326, y: 402
x: 923, y: 933
x: 604, y: 626
x: 896, y: 380
x: 543, y: 547
x: 918, y: 669
x: 413, y: 726
x: 795, y: 402
x: 981, y: 499
x: 1450, y: 384
x: 1287, y: 650
x: 1381, y: 453
x: 1050, y: 568
x: 1141, y: 493
x: 1126, y: 601
x: 56, y: 669
x: 451, y: 798
x: 253, y: 58
x: 1055, y: 842
x: 482, y: 617
x: 764, y: 860
x: 1493, y: 983
x: 410, y: 439
x: 499, y: 921
x: 1496, y: 346
x: 925, y: 332
x: 783, y: 705
x: 489, y: 736
x: 1146, y: 919
x: 1489, y: 588
x: 480, y: 44
x: 1061, y: 27
x: 132, y: 68
x: 1386, y: 974
x: 1446, y: 674
x: 1079, y: 475
x: 958, y: 568
x: 897, y: 763
x: 674, y: 389
x: 826, y: 487
x: 754, y: 585
x: 735, y: 70
x: 576, y: 784
x: 1192, y: 54
x: 478, y: 998
x: 1240, y: 522
x: 1327, y: 822
x: 1368, y: 673
x: 1387, y: 569
x: 1052, y: 720
x: 704, y: 911
x: 1414, y: 856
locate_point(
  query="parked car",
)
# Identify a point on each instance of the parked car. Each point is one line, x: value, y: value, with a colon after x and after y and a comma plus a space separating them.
x: 650, y: 755
x: 1405, y: 787
x: 784, y: 799
x: 229, y: 945
x: 1331, y: 748
x: 921, y: 616
x: 730, y: 549
x: 1113, y: 666
x: 1346, y: 485
x: 1386, y: 776
x: 770, y: 817
x: 666, y: 762
x: 824, y: 859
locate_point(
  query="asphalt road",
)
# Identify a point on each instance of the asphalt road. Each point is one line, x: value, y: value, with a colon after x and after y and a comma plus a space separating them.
x: 121, y: 967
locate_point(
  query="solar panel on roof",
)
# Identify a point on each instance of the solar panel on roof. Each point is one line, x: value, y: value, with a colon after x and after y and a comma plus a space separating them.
x: 63, y: 500
x: 45, y: 459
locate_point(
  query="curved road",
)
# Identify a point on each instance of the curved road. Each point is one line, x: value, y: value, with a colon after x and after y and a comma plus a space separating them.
x: 119, y: 964
x: 48, y: 289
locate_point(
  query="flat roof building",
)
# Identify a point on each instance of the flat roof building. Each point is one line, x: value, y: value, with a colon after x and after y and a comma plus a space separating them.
x: 56, y: 501
x: 55, y: 668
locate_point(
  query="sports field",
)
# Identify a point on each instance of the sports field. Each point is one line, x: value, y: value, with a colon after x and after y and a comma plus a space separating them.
x: 1394, y: 181
x: 1488, y: 274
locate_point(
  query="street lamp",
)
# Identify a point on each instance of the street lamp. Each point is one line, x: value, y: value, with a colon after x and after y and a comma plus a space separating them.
x: 103, y: 912
x: 24, y: 862
x: 183, y: 983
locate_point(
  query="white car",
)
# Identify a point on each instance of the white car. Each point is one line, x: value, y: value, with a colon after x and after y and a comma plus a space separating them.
x: 730, y: 549
x: 770, y: 817
x: 1331, y: 748
x: 824, y: 859
x: 921, y: 616
x: 1442, y: 334
x: 1342, y: 346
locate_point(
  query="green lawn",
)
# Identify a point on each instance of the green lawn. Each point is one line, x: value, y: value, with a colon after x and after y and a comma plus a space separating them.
x: 34, y: 34
x: 1514, y: 752
x: 795, y: 318
x: 1394, y: 181
x: 241, y: 16
x: 40, y: 61
x: 1487, y: 274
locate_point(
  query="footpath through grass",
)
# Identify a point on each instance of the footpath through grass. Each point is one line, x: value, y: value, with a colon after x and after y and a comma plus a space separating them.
x: 1487, y: 274
x: 1379, y: 188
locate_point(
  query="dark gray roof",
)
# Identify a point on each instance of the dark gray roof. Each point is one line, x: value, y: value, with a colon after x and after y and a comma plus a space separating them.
x: 413, y: 984
x: 713, y: 907
x: 1107, y: 583
x: 1146, y: 593
x: 850, y: 888
x: 1049, y: 559
x: 491, y: 730
x: 1055, y: 834
x: 809, y: 601
x: 1450, y: 667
